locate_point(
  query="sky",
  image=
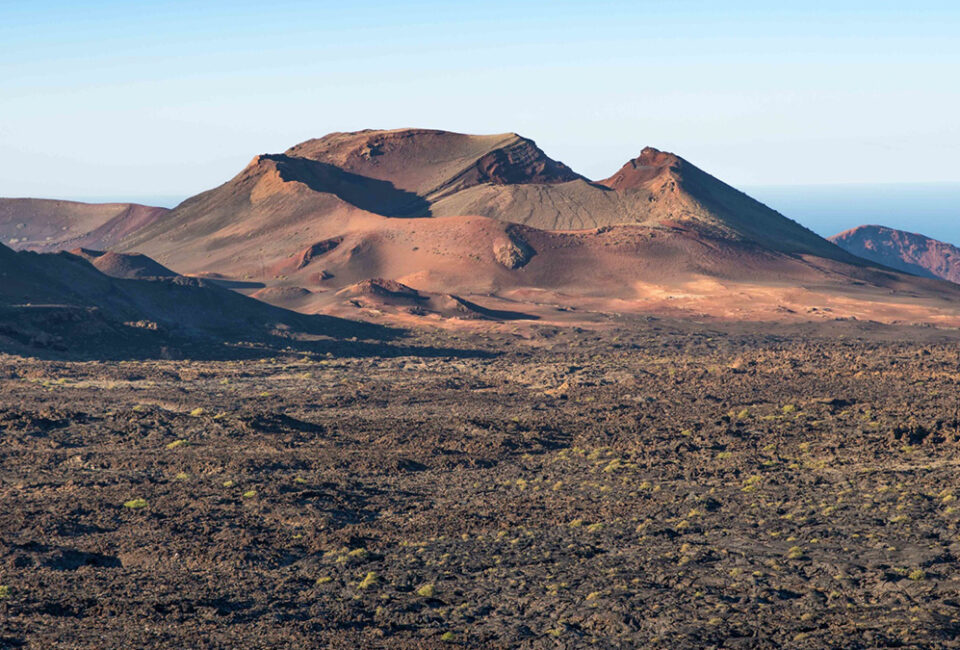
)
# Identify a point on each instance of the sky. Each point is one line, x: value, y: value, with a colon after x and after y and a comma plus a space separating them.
x: 123, y: 100
x: 931, y: 209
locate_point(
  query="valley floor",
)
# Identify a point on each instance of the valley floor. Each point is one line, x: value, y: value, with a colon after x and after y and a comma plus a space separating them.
x: 663, y: 485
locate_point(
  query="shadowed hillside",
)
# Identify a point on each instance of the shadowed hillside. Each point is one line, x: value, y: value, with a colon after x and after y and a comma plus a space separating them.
x: 62, y: 303
x: 904, y: 251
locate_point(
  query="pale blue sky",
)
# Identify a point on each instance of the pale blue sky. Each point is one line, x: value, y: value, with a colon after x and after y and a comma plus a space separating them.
x: 125, y: 99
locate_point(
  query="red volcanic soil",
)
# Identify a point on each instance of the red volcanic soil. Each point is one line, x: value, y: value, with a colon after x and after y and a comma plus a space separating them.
x: 637, y: 173
x: 901, y: 250
x: 566, y: 276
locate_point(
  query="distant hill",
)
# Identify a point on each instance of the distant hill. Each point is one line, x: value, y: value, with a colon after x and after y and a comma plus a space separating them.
x: 124, y: 265
x: 904, y: 251
x: 46, y: 225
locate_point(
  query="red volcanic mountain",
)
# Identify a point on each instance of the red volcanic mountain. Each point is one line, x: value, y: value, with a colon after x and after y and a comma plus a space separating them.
x: 904, y: 251
x: 415, y: 173
x: 459, y: 222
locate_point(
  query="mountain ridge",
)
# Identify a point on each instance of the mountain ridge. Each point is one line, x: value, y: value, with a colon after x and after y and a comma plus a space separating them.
x: 902, y: 250
x: 409, y: 173
x: 46, y: 225
x: 493, y: 221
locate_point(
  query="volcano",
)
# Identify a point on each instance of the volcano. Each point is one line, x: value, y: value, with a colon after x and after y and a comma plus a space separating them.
x: 493, y: 221
x: 414, y: 173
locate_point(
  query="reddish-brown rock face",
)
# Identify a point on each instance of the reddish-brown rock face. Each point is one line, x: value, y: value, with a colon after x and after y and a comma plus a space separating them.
x: 904, y: 251
x: 522, y: 163
x: 643, y: 169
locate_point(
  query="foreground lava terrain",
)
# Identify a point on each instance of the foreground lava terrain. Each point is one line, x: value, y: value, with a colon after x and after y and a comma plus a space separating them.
x: 664, y: 485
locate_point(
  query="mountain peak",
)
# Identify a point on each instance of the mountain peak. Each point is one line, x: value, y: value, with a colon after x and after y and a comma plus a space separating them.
x: 653, y: 157
x: 522, y: 162
x: 427, y: 161
x: 639, y: 171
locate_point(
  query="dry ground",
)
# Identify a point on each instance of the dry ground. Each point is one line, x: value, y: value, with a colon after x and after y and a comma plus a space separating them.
x: 665, y: 485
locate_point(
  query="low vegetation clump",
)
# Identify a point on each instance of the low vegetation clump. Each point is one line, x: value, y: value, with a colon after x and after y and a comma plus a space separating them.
x: 135, y: 504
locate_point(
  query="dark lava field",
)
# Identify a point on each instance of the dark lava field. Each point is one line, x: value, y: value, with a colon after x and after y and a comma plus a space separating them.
x: 662, y: 485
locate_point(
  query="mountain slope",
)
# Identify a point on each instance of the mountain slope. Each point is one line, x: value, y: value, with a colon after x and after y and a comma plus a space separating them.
x: 61, y: 301
x: 281, y: 203
x: 901, y: 250
x: 397, y: 174
x: 473, y: 223
x: 50, y: 225
x: 508, y: 177
x: 679, y: 191
x: 123, y: 265
x: 433, y: 164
